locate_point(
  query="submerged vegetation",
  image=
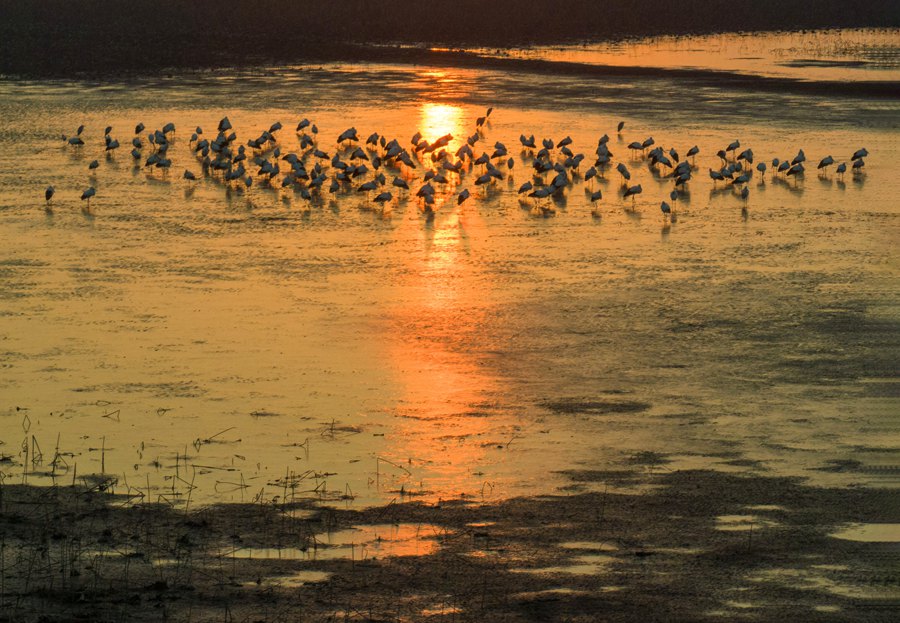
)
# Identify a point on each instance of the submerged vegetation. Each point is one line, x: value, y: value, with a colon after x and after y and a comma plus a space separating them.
x: 56, y: 37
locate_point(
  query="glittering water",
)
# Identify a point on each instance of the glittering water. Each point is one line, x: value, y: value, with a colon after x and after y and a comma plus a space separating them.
x: 233, y: 344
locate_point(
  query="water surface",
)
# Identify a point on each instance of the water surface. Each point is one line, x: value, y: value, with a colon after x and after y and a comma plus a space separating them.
x: 208, y: 343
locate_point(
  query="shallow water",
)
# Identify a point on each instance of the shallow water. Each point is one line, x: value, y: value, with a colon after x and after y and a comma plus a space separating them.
x: 210, y: 344
x: 844, y: 55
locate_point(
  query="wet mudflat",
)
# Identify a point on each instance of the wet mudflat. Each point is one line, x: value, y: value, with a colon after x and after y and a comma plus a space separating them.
x: 700, y: 545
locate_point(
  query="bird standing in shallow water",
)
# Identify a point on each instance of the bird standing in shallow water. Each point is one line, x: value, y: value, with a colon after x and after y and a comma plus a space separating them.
x: 87, y: 194
x: 632, y: 192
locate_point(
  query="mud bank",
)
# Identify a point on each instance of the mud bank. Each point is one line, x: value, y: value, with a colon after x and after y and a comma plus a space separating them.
x: 642, y: 544
x: 57, y: 38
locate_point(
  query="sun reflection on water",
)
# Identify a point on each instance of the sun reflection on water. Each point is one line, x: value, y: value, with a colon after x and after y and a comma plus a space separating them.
x: 436, y: 120
x: 448, y: 428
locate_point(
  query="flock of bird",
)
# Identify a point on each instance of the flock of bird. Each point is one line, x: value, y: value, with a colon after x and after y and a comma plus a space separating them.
x: 358, y: 166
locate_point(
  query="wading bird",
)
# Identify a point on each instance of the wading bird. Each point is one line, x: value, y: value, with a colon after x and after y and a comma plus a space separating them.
x: 632, y: 192
x: 87, y: 194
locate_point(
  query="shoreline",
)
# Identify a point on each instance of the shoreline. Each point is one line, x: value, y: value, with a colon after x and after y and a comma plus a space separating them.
x: 695, y: 544
x: 887, y: 89
x: 99, y: 37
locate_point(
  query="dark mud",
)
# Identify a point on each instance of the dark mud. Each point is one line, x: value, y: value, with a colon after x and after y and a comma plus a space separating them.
x: 699, y: 545
x: 57, y: 37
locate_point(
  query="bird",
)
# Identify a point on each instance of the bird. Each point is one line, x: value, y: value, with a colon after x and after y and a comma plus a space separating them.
x: 48, y: 194
x: 541, y: 193
x: 825, y: 162
x: 483, y: 179
x: 632, y: 191
x: 666, y: 209
x: 93, y: 165
x: 595, y: 197
x: 620, y: 126
x: 860, y: 153
x: 188, y: 175
x: 841, y: 169
x: 87, y: 194
x: 348, y: 135
x: 367, y: 187
x: 462, y: 196
x: 383, y: 198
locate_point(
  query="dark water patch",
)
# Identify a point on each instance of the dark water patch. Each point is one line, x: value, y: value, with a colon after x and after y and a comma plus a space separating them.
x: 813, y: 62
x: 840, y: 465
x: 612, y: 476
x: 175, y: 389
x: 27, y: 262
x: 646, y: 457
x: 594, y: 407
